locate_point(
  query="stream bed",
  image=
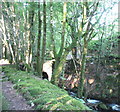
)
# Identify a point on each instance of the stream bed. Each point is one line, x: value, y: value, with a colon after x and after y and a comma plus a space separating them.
x: 98, y: 105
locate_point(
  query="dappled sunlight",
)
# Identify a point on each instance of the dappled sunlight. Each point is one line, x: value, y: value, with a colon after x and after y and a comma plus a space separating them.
x: 91, y: 81
x: 69, y: 77
x: 74, y: 83
x: 111, y: 91
x: 55, y: 106
x: 85, y: 81
x: 69, y: 102
x: 59, y: 98
x: 60, y: 56
x: 42, y: 94
x: 111, y: 66
x: 4, y: 62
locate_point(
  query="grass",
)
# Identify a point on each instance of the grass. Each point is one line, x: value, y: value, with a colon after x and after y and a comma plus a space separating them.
x: 5, y: 103
x: 43, y: 94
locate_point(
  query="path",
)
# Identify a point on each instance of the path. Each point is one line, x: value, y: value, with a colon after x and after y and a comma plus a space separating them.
x: 16, y: 101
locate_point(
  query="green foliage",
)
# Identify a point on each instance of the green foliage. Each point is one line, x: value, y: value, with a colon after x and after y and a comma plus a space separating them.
x: 42, y: 93
x: 94, y: 45
x: 108, y: 46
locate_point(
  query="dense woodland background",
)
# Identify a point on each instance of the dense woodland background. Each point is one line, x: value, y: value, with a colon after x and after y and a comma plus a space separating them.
x: 78, y: 41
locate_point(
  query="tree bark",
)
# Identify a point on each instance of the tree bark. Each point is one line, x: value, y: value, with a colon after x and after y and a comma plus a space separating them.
x: 39, y: 41
x: 58, y: 60
x: 87, y: 36
x: 83, y: 63
x: 44, y: 38
x: 8, y: 33
x: 30, y: 37
x: 59, y: 63
x: 82, y: 72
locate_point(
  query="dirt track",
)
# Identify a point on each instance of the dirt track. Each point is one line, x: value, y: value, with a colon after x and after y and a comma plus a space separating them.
x: 16, y: 101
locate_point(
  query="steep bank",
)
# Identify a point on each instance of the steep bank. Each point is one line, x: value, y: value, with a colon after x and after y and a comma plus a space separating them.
x: 101, y: 82
x: 41, y: 94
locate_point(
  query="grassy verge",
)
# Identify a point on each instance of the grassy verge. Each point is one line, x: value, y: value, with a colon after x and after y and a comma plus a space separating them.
x: 5, y: 103
x: 41, y: 93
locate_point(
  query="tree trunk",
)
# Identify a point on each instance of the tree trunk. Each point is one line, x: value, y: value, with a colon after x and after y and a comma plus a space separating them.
x: 74, y: 52
x: 8, y: 33
x: 60, y: 57
x: 83, y: 63
x: 82, y: 73
x: 39, y: 41
x: 30, y: 37
x: 44, y: 38
x: 59, y: 63
x: 51, y: 29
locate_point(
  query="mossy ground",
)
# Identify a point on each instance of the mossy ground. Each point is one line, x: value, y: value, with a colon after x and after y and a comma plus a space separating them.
x: 43, y: 94
x: 4, y: 102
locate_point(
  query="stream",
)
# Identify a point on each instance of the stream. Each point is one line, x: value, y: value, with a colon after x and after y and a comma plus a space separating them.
x: 97, y: 105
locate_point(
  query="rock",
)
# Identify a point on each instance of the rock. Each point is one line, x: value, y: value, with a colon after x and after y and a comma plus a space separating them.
x: 102, y: 106
x: 115, y: 107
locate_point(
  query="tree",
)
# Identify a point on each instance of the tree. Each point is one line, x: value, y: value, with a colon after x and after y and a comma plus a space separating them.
x: 39, y: 70
x: 89, y: 31
x: 87, y: 36
x: 69, y: 25
x: 30, y: 36
x: 44, y: 39
x: 65, y: 48
x: 60, y: 57
x: 10, y: 31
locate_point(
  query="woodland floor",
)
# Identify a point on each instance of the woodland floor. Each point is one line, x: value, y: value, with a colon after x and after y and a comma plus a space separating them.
x: 14, y: 99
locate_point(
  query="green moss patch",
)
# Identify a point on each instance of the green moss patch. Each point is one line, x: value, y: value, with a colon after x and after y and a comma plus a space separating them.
x: 43, y: 94
x: 5, y: 103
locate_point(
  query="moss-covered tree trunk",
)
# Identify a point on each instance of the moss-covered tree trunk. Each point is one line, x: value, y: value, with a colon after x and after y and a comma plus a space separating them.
x: 86, y: 27
x: 84, y: 53
x: 60, y: 57
x: 82, y: 72
x: 59, y: 63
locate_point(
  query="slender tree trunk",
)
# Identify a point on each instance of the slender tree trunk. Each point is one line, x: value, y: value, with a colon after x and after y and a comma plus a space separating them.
x: 82, y: 73
x: 74, y: 55
x: 30, y: 38
x: 8, y: 33
x: 63, y: 29
x: 87, y: 36
x: 26, y: 35
x: 31, y: 21
x: 51, y: 29
x: 99, y: 57
x: 83, y: 63
x: 74, y: 52
x: 44, y: 38
x: 39, y: 41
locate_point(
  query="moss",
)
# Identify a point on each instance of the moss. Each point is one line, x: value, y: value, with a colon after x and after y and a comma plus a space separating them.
x: 102, y: 106
x: 42, y: 93
x: 5, y: 103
